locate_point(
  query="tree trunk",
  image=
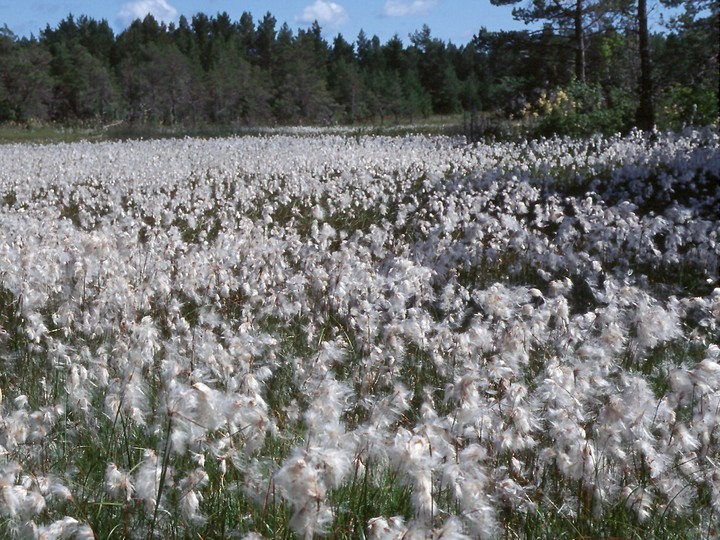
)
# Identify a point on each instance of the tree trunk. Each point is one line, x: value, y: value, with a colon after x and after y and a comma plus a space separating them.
x: 645, y: 114
x: 579, y: 42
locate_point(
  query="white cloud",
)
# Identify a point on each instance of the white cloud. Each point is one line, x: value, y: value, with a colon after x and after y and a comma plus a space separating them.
x: 139, y: 9
x: 325, y: 13
x: 398, y: 8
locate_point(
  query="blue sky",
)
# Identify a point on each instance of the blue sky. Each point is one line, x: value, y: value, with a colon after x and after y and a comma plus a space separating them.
x: 449, y: 20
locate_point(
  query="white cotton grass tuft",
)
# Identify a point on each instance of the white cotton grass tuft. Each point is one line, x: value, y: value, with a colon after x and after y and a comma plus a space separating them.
x: 656, y: 325
x: 304, y: 480
x: 329, y: 400
x: 252, y: 536
x: 639, y: 500
x: 65, y: 528
x: 118, y: 484
x: 313, y: 519
x: 190, y: 489
x: 380, y: 528
x: 422, y: 495
x: 147, y: 478
x: 301, y: 483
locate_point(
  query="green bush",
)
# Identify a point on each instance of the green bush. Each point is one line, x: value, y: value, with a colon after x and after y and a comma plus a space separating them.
x: 680, y: 106
x: 579, y: 110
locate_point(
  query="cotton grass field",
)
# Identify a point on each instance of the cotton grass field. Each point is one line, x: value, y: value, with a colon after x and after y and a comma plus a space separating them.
x: 361, y: 337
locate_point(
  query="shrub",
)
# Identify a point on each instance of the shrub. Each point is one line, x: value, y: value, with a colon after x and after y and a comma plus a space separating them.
x: 580, y: 109
x: 680, y: 106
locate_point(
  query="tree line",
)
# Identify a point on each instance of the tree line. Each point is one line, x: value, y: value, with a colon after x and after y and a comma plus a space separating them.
x: 582, y: 71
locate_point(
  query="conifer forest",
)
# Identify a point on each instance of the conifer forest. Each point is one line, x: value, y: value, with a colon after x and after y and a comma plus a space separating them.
x: 589, y: 68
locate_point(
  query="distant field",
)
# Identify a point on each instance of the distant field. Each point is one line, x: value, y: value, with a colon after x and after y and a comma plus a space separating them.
x: 359, y: 336
x: 116, y: 131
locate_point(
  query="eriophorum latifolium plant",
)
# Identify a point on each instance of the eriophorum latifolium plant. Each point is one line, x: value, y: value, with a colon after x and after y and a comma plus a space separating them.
x: 361, y: 337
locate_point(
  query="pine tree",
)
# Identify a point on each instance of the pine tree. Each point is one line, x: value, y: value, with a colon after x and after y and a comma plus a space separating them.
x: 573, y: 18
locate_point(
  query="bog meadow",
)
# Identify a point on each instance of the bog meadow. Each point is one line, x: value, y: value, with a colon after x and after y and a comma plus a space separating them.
x: 345, y: 336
